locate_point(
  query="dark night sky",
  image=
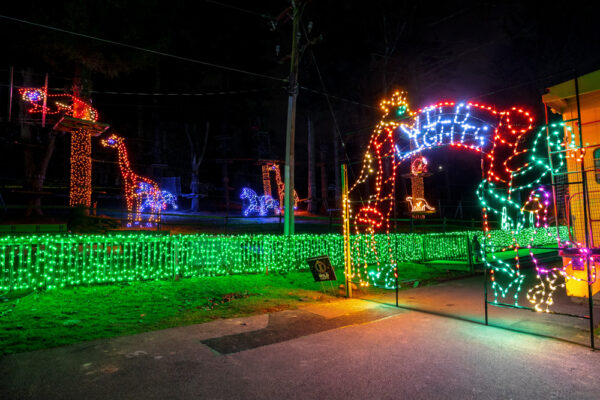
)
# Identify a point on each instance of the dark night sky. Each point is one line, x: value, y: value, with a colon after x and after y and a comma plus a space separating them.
x: 502, y: 53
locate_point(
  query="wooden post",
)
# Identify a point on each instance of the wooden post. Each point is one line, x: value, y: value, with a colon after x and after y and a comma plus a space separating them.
x: 45, y: 101
x: 312, y: 179
x: 324, y: 185
x: 346, y: 225
x: 10, y: 93
x: 336, y: 162
x: 290, y: 137
x: 470, y: 253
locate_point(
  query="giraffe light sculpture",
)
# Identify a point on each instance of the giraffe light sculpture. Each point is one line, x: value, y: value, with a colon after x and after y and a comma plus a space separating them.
x: 139, y: 190
x: 274, y: 167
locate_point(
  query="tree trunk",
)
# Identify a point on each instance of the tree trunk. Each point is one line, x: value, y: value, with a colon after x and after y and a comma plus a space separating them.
x: 336, y: 166
x: 36, y: 165
x: 191, y: 133
x: 80, y: 181
x: 325, y: 201
x: 36, y: 162
x: 225, y: 173
x: 312, y: 181
x: 195, y: 189
x: 158, y: 143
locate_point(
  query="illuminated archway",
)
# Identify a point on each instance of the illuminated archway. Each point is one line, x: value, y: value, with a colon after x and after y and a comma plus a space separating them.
x: 472, y: 126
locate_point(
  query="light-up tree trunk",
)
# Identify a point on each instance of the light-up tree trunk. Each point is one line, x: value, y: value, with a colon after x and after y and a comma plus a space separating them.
x: 80, y: 186
x: 82, y: 126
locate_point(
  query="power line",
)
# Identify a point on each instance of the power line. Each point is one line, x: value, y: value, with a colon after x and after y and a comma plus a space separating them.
x: 160, y: 53
x: 240, y: 9
x: 215, y: 93
x: 331, y: 110
x: 179, y: 58
x: 330, y: 96
x: 242, y: 91
x: 525, y: 83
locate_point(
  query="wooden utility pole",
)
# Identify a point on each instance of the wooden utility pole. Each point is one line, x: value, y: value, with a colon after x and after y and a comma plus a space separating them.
x: 288, y: 225
x: 324, y: 185
x: 312, y: 179
x: 336, y: 164
x: 346, y: 229
x: 11, y: 86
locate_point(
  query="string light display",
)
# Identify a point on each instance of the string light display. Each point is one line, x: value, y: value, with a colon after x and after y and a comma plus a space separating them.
x: 378, y: 177
x: 525, y: 168
x: 500, y: 135
x: 267, y: 168
x: 57, y: 104
x: 577, y: 258
x: 81, y: 145
x: 463, y: 125
x: 164, y: 199
x: 258, y: 204
x: 541, y: 295
x: 471, y: 126
x: 266, y: 175
x: 506, y: 168
x: 138, y: 189
x: 52, y: 260
x: 417, y: 203
x: 419, y: 166
x: 81, y: 168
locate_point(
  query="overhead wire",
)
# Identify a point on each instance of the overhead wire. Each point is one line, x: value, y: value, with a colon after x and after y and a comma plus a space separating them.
x: 213, y: 93
x: 182, y: 58
x: 160, y: 53
x: 324, y: 92
x: 299, y: 86
x: 330, y: 107
x: 240, y: 9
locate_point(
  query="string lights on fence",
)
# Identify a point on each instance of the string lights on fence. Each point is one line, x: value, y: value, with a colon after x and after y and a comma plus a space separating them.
x: 48, y: 261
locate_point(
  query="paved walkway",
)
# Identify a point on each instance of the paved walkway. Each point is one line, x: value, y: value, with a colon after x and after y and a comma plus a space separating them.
x: 342, y: 350
x: 464, y: 299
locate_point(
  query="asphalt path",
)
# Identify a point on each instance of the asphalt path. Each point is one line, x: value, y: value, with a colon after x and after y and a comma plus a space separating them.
x: 373, y: 351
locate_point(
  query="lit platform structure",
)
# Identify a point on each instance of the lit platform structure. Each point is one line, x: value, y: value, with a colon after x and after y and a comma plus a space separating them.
x: 71, y: 124
x: 81, y: 130
x: 78, y: 118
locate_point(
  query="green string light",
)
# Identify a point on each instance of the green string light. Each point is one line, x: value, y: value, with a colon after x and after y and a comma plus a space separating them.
x: 48, y: 261
x: 500, y: 201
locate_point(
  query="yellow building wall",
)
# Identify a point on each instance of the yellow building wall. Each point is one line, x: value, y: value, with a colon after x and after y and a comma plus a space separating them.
x: 590, y: 125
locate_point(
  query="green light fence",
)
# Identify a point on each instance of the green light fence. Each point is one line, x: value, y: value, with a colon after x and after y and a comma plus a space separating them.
x: 47, y: 261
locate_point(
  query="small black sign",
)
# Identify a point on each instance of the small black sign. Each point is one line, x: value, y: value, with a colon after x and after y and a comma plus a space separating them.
x: 321, y: 269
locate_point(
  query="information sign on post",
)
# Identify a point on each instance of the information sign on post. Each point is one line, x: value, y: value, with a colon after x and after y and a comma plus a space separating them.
x: 321, y: 269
